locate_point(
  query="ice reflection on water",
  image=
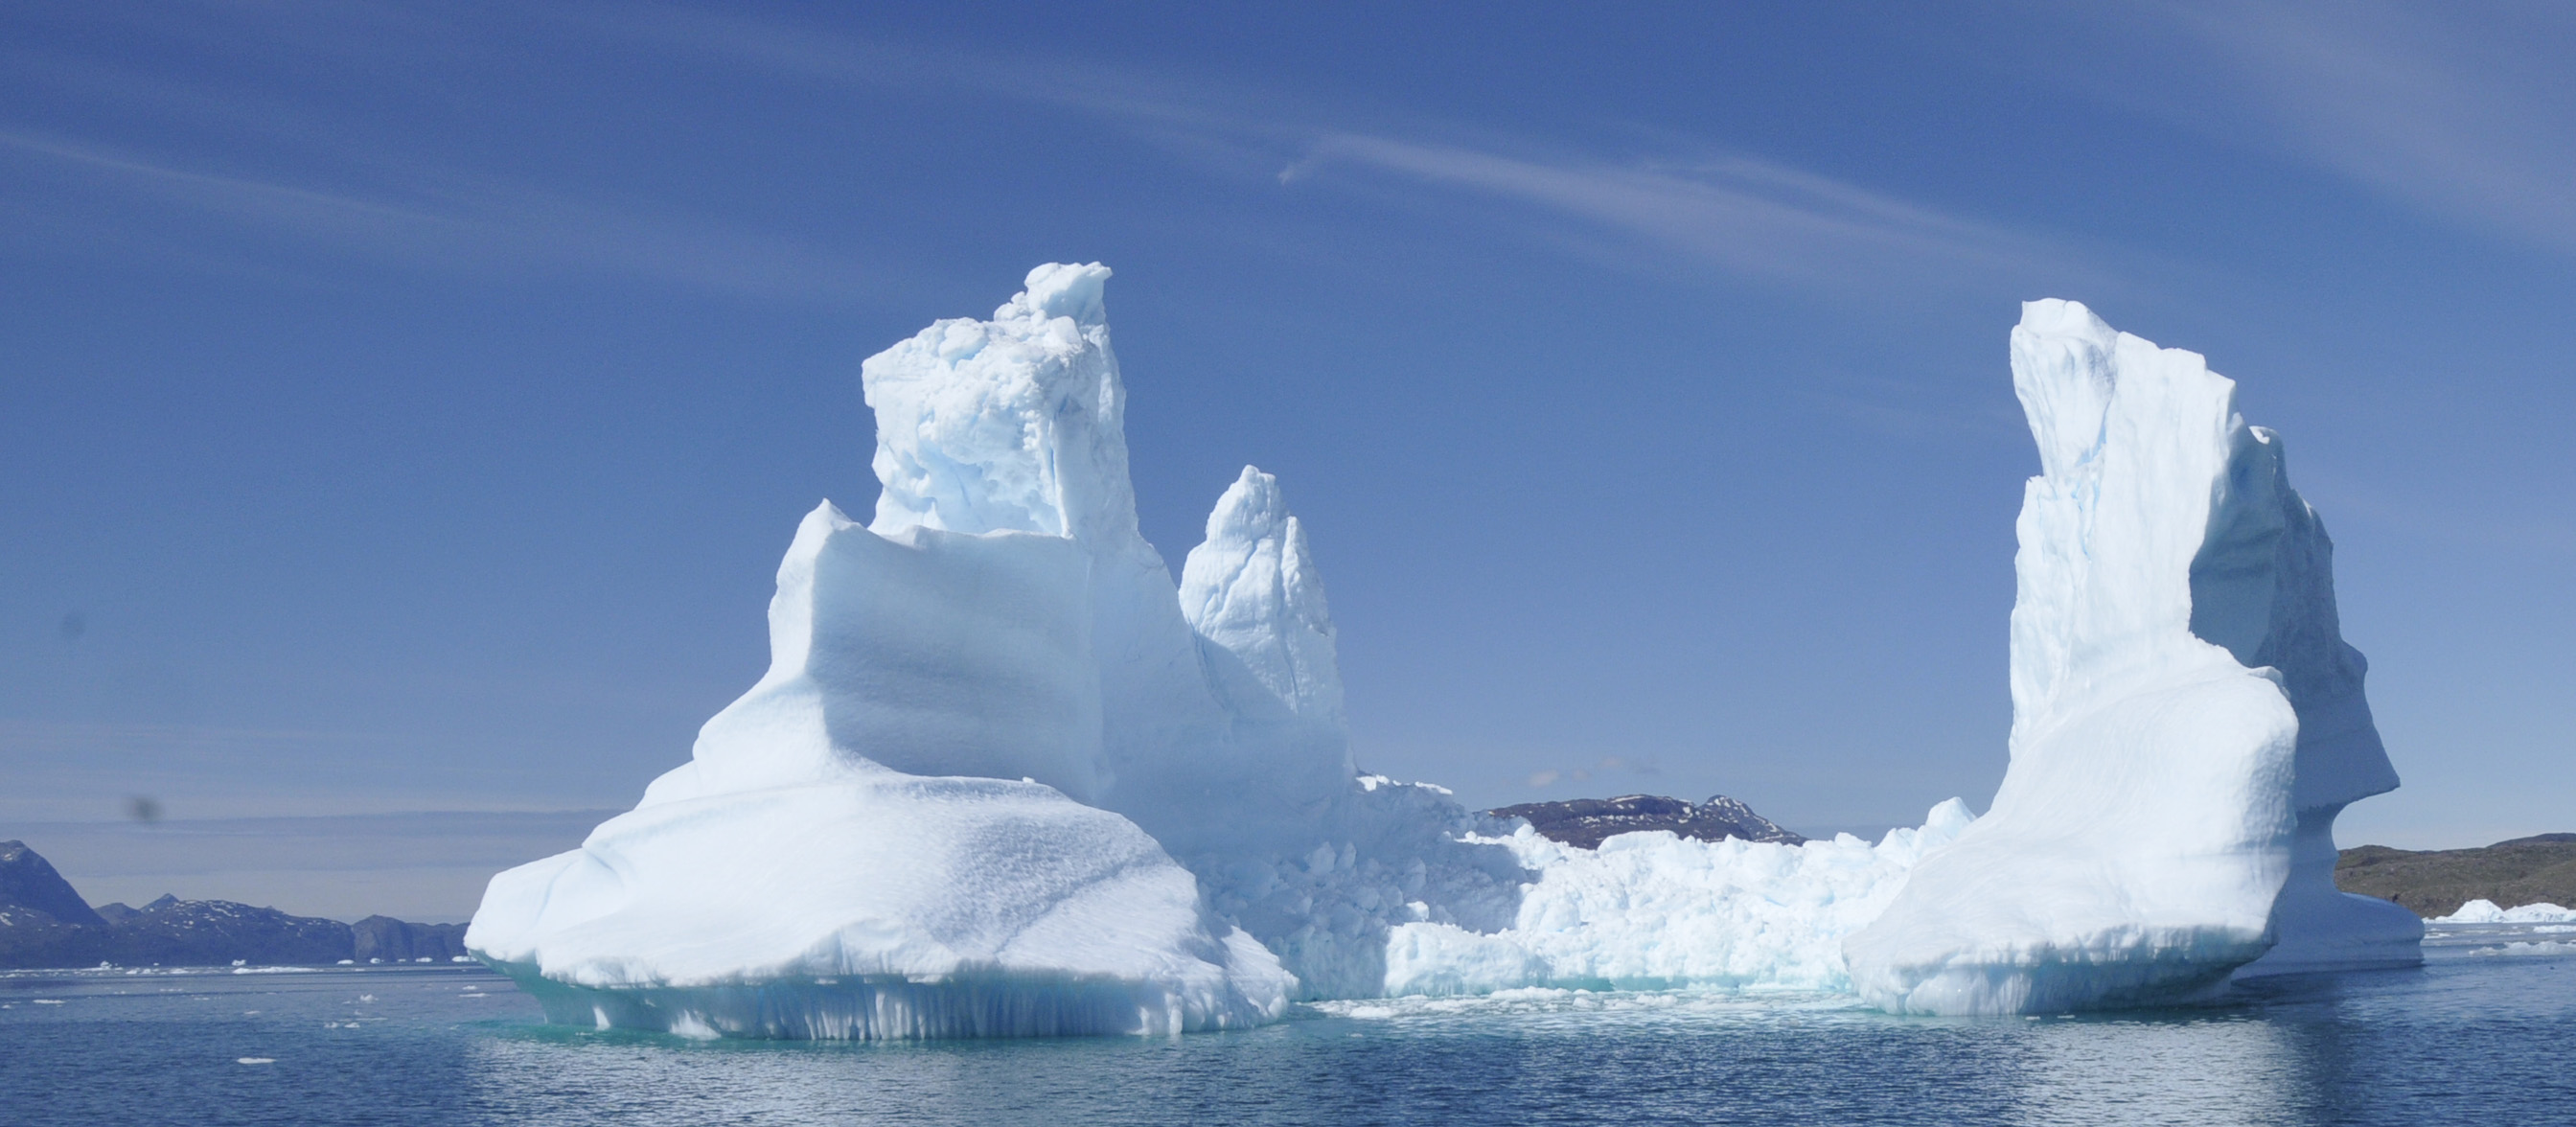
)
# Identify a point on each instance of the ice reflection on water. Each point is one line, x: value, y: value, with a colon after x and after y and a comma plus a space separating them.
x: 2203, y: 1072
x: 2466, y: 1040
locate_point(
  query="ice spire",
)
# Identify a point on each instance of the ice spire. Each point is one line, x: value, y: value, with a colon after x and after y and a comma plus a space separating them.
x: 1252, y: 588
x: 2186, y: 719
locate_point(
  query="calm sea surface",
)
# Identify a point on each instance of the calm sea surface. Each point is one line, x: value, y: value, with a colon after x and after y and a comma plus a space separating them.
x: 2478, y: 1036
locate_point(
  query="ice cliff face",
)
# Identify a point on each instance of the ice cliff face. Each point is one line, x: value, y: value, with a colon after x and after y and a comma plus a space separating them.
x: 2187, y: 720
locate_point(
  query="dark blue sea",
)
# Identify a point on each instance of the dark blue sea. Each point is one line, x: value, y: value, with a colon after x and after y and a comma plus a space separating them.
x: 2483, y: 1034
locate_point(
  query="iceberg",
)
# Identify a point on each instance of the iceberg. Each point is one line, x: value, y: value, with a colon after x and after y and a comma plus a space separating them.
x: 1003, y: 776
x: 897, y: 831
x: 2187, y: 719
x: 2486, y: 912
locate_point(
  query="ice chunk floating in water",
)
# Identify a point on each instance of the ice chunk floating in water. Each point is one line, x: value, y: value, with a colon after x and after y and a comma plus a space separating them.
x: 2187, y: 720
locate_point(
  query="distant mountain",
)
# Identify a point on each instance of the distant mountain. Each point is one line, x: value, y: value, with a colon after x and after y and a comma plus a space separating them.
x: 1586, y: 822
x: 2525, y: 870
x: 45, y: 923
x: 29, y: 884
x: 394, y: 941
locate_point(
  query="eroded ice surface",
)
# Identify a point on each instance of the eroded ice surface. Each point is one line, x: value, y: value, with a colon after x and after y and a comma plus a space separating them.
x: 2187, y: 719
x: 1653, y: 910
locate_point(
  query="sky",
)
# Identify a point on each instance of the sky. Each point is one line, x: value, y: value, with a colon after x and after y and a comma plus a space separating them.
x: 403, y: 408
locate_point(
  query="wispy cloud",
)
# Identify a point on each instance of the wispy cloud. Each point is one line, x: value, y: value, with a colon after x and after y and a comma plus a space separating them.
x: 1692, y: 202
x: 1654, y: 204
x: 453, y: 220
x: 1737, y: 212
x: 2467, y: 111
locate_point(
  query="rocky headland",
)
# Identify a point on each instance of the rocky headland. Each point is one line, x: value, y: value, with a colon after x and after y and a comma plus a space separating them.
x: 1585, y: 822
x: 2540, y: 869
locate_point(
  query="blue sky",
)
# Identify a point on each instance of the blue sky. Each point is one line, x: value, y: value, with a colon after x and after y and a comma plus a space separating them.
x: 404, y: 408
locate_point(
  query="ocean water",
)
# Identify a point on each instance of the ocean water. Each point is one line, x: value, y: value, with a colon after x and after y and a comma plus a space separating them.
x: 2485, y: 1033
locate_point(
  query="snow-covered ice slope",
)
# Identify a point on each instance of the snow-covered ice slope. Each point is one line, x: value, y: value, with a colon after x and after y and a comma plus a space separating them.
x: 2187, y: 719
x: 871, y: 905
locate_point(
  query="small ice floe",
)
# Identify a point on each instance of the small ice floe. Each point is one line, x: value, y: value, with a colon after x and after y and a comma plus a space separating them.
x: 2543, y: 947
x: 241, y: 962
x: 49, y: 1001
x: 457, y: 959
x: 255, y: 1060
x: 366, y: 997
x: 348, y: 962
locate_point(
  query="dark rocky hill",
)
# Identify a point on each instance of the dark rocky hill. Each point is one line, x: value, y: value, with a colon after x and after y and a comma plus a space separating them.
x: 2525, y: 870
x: 1586, y: 822
x: 44, y: 923
x: 29, y: 884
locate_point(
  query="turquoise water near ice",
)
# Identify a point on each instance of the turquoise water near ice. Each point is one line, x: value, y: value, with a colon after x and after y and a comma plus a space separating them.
x: 2477, y: 1036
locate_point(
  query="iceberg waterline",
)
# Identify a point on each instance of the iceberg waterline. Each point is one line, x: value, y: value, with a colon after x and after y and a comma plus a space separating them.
x: 1005, y: 777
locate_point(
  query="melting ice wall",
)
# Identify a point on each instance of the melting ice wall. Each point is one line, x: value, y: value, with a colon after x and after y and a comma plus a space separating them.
x: 2187, y: 719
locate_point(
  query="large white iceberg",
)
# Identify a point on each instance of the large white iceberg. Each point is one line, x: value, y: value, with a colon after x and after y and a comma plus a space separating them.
x: 1006, y: 777
x: 2187, y: 720
x: 990, y: 724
